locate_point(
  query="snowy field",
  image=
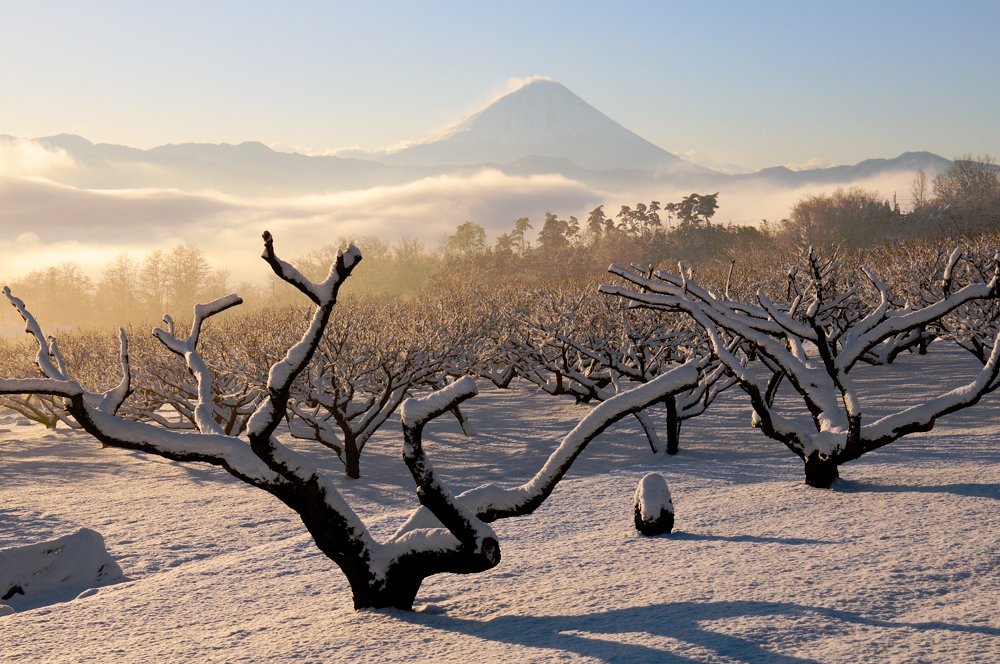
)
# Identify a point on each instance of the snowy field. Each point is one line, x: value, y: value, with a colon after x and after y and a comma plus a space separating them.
x: 898, y: 562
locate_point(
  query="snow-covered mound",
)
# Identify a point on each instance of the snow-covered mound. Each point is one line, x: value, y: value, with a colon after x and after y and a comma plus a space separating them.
x: 56, y: 571
x: 541, y: 119
x: 654, y: 510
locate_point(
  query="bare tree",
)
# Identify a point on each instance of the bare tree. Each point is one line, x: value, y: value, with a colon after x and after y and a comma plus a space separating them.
x: 371, y: 358
x: 498, y: 334
x: 86, y: 356
x: 44, y: 409
x: 919, y: 189
x: 592, y: 348
x: 829, y: 315
x: 968, y: 194
x: 491, y: 502
x: 167, y: 392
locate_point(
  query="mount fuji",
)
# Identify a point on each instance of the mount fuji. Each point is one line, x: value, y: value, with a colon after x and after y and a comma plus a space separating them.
x: 540, y: 119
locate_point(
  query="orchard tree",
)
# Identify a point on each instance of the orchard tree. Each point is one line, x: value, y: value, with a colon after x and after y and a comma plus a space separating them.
x: 828, y: 314
x: 364, y: 370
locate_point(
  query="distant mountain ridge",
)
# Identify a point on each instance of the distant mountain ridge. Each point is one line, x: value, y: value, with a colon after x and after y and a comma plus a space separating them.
x: 908, y: 161
x: 540, y: 129
x: 252, y: 168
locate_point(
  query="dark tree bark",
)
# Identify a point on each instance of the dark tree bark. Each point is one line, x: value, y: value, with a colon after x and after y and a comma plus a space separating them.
x: 352, y: 459
x: 821, y: 472
x: 673, y: 426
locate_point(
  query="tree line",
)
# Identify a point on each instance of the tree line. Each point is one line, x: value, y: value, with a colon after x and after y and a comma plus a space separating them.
x: 963, y: 200
x: 163, y: 282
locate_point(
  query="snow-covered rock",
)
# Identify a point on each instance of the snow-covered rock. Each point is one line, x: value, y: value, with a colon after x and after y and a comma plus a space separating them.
x: 654, y: 510
x: 56, y: 571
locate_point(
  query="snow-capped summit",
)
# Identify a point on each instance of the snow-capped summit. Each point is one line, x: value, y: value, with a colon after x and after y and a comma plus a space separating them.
x: 542, y: 119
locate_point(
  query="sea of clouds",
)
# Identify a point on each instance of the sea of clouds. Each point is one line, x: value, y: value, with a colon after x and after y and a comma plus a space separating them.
x: 44, y: 220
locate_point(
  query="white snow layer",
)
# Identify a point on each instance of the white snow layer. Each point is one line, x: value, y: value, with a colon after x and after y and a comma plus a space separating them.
x: 417, y: 409
x: 40, y: 574
x: 898, y: 562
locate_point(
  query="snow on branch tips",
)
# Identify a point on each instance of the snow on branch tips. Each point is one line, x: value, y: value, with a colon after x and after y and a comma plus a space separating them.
x: 48, y: 351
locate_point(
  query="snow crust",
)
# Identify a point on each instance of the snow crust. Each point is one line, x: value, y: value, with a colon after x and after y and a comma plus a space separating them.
x: 898, y: 562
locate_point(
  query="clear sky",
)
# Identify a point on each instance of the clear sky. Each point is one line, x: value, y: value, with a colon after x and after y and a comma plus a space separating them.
x: 751, y: 83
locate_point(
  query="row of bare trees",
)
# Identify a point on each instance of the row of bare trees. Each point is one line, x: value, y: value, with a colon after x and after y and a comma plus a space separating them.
x: 447, y: 533
x: 833, y: 318
x: 128, y: 289
x: 571, y: 341
x: 660, y: 340
x: 376, y: 352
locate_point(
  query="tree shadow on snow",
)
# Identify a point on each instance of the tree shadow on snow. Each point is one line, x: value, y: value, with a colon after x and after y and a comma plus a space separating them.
x: 967, y: 489
x: 65, y: 456
x: 681, y: 535
x: 681, y: 622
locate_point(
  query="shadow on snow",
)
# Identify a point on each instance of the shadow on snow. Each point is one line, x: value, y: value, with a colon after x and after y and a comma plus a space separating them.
x: 966, y: 489
x: 681, y: 621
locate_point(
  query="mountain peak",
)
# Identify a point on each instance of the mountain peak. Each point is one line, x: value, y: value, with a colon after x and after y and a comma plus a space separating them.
x: 542, y: 118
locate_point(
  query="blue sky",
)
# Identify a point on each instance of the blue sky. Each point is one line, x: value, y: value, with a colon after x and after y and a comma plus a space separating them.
x: 755, y: 84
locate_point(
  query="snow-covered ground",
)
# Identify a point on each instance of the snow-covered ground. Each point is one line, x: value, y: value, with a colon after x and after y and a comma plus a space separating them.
x: 898, y: 562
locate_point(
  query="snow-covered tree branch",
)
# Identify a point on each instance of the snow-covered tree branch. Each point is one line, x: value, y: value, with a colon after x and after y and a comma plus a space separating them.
x: 370, y: 359
x: 491, y: 502
x: 593, y: 347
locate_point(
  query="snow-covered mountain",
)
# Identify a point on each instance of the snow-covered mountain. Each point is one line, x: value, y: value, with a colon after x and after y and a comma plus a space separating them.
x: 540, y: 119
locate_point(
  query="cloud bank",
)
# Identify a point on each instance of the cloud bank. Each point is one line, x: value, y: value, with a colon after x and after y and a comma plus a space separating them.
x: 20, y: 157
x: 43, y: 222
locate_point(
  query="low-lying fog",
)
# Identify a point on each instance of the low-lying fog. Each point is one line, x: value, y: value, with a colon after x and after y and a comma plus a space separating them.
x: 45, y: 220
